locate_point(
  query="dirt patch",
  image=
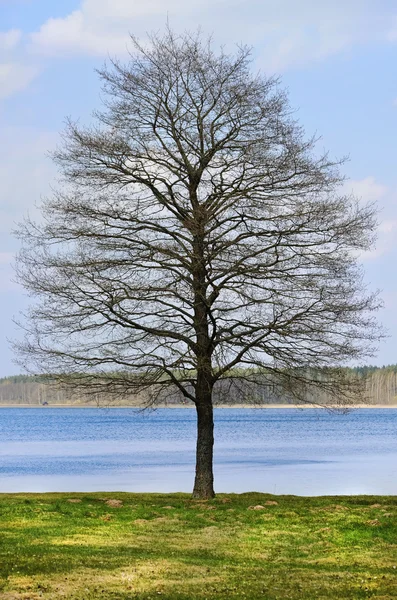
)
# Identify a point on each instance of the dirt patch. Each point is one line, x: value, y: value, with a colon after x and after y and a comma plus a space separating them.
x: 271, y: 503
x: 373, y: 523
x: 256, y: 507
x: 20, y: 596
x: 114, y: 503
x: 106, y: 517
x: 74, y: 500
x: 211, y: 530
x: 335, y: 507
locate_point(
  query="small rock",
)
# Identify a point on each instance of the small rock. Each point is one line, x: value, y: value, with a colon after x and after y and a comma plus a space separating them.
x: 375, y: 505
x: 257, y: 507
x: 225, y: 500
x: 271, y: 503
x: 168, y: 507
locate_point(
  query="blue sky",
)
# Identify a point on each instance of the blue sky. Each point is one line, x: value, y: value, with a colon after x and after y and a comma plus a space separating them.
x: 337, y: 60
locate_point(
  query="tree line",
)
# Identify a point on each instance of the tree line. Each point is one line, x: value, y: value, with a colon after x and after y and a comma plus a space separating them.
x: 380, y: 386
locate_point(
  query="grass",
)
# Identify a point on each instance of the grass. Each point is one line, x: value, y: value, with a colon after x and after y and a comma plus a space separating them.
x: 143, y: 546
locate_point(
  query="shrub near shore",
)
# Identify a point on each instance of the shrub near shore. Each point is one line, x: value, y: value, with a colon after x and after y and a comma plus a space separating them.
x: 143, y: 546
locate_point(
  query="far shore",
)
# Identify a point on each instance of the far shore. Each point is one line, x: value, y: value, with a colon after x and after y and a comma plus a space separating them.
x: 191, y: 406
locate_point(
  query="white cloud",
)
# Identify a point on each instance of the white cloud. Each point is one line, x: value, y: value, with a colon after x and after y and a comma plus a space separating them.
x: 388, y: 226
x: 75, y: 34
x: 10, y: 39
x: 387, y: 239
x: 370, y: 190
x: 384, y: 244
x: 15, y: 72
x: 297, y: 49
x: 390, y: 302
x: 100, y: 27
x: 367, y: 190
x: 25, y: 174
x: 127, y: 9
x: 289, y: 33
x: 295, y: 34
x: 15, y: 77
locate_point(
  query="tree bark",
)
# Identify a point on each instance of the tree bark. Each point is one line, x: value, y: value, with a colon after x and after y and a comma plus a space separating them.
x: 204, y: 480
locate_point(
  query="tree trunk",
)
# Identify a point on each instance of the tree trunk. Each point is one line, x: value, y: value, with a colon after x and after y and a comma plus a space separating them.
x: 204, y: 480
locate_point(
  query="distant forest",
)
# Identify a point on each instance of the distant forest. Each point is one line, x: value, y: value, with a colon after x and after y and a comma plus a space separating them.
x: 381, y: 388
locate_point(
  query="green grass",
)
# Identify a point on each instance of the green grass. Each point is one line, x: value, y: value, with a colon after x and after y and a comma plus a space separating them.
x: 173, y: 547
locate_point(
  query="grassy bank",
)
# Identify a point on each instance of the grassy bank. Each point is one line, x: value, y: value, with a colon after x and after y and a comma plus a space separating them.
x: 146, y: 546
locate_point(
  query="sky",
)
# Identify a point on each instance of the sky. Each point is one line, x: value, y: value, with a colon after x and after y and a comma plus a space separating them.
x: 337, y: 60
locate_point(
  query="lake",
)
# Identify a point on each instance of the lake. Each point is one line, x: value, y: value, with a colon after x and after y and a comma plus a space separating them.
x: 281, y: 451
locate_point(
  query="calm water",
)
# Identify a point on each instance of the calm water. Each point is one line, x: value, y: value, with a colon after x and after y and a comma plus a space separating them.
x: 304, y: 452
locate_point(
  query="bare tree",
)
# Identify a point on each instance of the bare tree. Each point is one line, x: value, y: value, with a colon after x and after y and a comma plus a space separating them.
x: 197, y: 236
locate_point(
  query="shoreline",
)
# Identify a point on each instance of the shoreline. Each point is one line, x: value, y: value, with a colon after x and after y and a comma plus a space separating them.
x: 223, y: 406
